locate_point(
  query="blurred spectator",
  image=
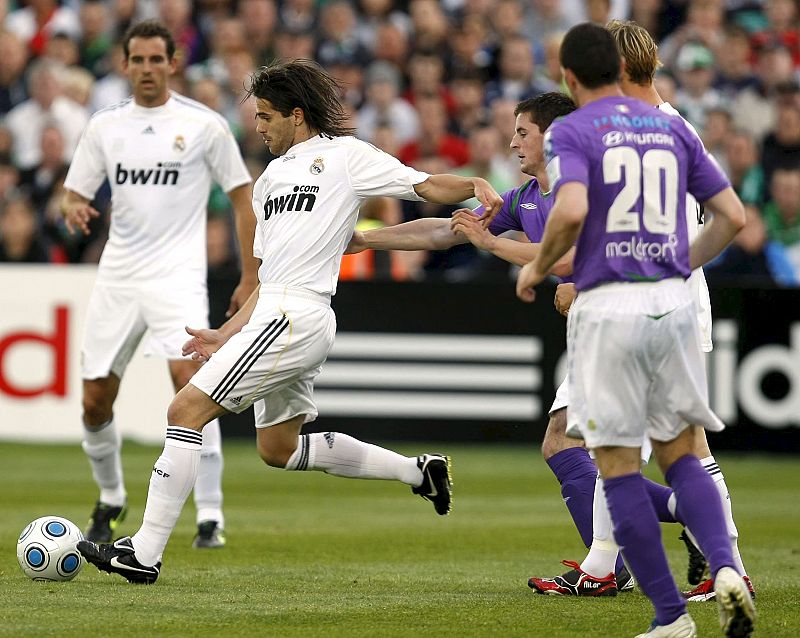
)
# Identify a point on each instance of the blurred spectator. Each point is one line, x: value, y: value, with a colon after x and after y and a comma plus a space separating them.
x: 430, y: 25
x: 549, y: 74
x: 40, y: 20
x: 695, y: 97
x: 13, y: 58
x: 9, y: 177
x: 783, y: 27
x: 598, y: 11
x: 734, y: 71
x: 487, y: 161
x: 26, y: 121
x: 77, y: 84
x: 426, y: 76
x: 704, y: 20
x: 20, y: 240
x: 782, y: 218
x: 467, y: 51
x: 298, y: 15
x: 291, y: 44
x: 338, y: 36
x: 228, y: 37
x: 177, y: 17
x: 372, y: 14
x: 384, y: 105
x: 781, y: 148
x: 467, y: 91
x: 393, y: 44
x: 666, y: 86
x: 434, y: 138
x: 40, y: 180
x: 260, y: 20
x: 517, y: 80
x: 753, y: 108
x: 745, y: 259
x: 223, y: 261
x: 715, y: 133
x: 744, y: 169
x: 350, y: 77
x: 95, y: 42
x: 545, y: 17
x: 114, y: 87
x: 64, y: 49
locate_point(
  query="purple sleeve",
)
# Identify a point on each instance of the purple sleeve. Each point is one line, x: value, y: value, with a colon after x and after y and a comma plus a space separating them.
x: 504, y: 220
x: 705, y: 177
x: 566, y: 159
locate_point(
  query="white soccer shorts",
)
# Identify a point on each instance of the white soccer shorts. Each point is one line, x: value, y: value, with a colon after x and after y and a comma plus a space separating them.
x: 273, y: 361
x: 118, y: 316
x: 635, y: 364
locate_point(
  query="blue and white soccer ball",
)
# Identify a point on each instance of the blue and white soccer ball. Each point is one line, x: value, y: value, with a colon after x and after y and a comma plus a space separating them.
x: 46, y: 549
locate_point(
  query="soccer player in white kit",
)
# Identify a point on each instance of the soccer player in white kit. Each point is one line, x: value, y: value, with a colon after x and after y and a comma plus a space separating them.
x: 270, y: 352
x: 640, y: 63
x: 159, y: 151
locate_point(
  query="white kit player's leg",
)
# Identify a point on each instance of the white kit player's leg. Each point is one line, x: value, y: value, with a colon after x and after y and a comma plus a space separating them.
x: 710, y: 466
x: 602, y: 556
x: 208, y: 490
x: 173, y: 476
x: 102, y: 446
x: 342, y: 455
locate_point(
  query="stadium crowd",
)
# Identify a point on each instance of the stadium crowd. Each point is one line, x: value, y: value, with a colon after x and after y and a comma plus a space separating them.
x: 433, y: 83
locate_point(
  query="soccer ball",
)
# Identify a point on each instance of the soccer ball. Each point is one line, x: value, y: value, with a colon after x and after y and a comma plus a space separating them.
x: 46, y: 549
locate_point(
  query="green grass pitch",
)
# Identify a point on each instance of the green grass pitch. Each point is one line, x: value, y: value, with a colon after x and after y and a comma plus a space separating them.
x: 315, y: 555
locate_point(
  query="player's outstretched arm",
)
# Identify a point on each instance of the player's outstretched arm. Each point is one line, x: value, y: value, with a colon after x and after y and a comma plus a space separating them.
x: 420, y: 234
x: 241, y: 198
x: 451, y: 189
x: 728, y: 219
x: 77, y: 212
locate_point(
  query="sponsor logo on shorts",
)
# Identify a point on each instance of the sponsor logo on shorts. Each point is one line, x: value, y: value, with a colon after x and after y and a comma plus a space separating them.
x: 329, y: 438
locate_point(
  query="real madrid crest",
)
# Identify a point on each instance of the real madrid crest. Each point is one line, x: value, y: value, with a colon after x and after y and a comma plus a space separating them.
x: 317, y: 166
x: 179, y: 144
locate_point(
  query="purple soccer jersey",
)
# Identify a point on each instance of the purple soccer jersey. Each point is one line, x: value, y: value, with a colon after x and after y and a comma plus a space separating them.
x: 525, y: 209
x: 637, y: 164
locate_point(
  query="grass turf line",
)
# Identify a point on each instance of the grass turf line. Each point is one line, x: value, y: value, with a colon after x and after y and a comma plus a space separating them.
x: 315, y: 555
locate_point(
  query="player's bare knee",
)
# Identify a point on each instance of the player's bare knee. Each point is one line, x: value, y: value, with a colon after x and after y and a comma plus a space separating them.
x: 555, y: 434
x: 275, y: 455
x: 97, y: 410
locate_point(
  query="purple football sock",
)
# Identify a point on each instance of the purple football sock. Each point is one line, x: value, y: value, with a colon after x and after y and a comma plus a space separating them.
x: 638, y: 535
x: 577, y: 473
x: 659, y: 497
x: 699, y: 507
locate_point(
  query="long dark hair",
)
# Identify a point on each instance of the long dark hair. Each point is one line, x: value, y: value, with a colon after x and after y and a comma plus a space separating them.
x: 305, y: 85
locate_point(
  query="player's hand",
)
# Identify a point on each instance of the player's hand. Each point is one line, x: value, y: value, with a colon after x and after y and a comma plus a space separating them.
x: 240, y: 294
x: 528, y: 278
x: 204, y: 343
x: 77, y: 217
x: 467, y: 223
x: 489, y: 197
x: 565, y: 295
x: 357, y: 243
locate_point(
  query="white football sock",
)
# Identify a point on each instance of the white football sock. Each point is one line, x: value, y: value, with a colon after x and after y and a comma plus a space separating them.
x: 602, y: 557
x: 208, y: 486
x: 710, y: 466
x: 342, y: 455
x: 173, y: 476
x: 102, y: 447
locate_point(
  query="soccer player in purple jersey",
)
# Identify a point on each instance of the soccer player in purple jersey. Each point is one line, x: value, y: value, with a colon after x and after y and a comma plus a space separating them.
x: 524, y: 208
x: 639, y: 64
x: 620, y: 174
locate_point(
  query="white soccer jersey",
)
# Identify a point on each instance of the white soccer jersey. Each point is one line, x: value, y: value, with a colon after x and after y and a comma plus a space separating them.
x: 697, y: 280
x: 160, y: 162
x: 306, y: 203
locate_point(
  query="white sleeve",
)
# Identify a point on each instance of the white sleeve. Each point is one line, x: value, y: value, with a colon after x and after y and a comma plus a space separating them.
x: 374, y: 173
x: 88, y: 168
x: 224, y: 159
